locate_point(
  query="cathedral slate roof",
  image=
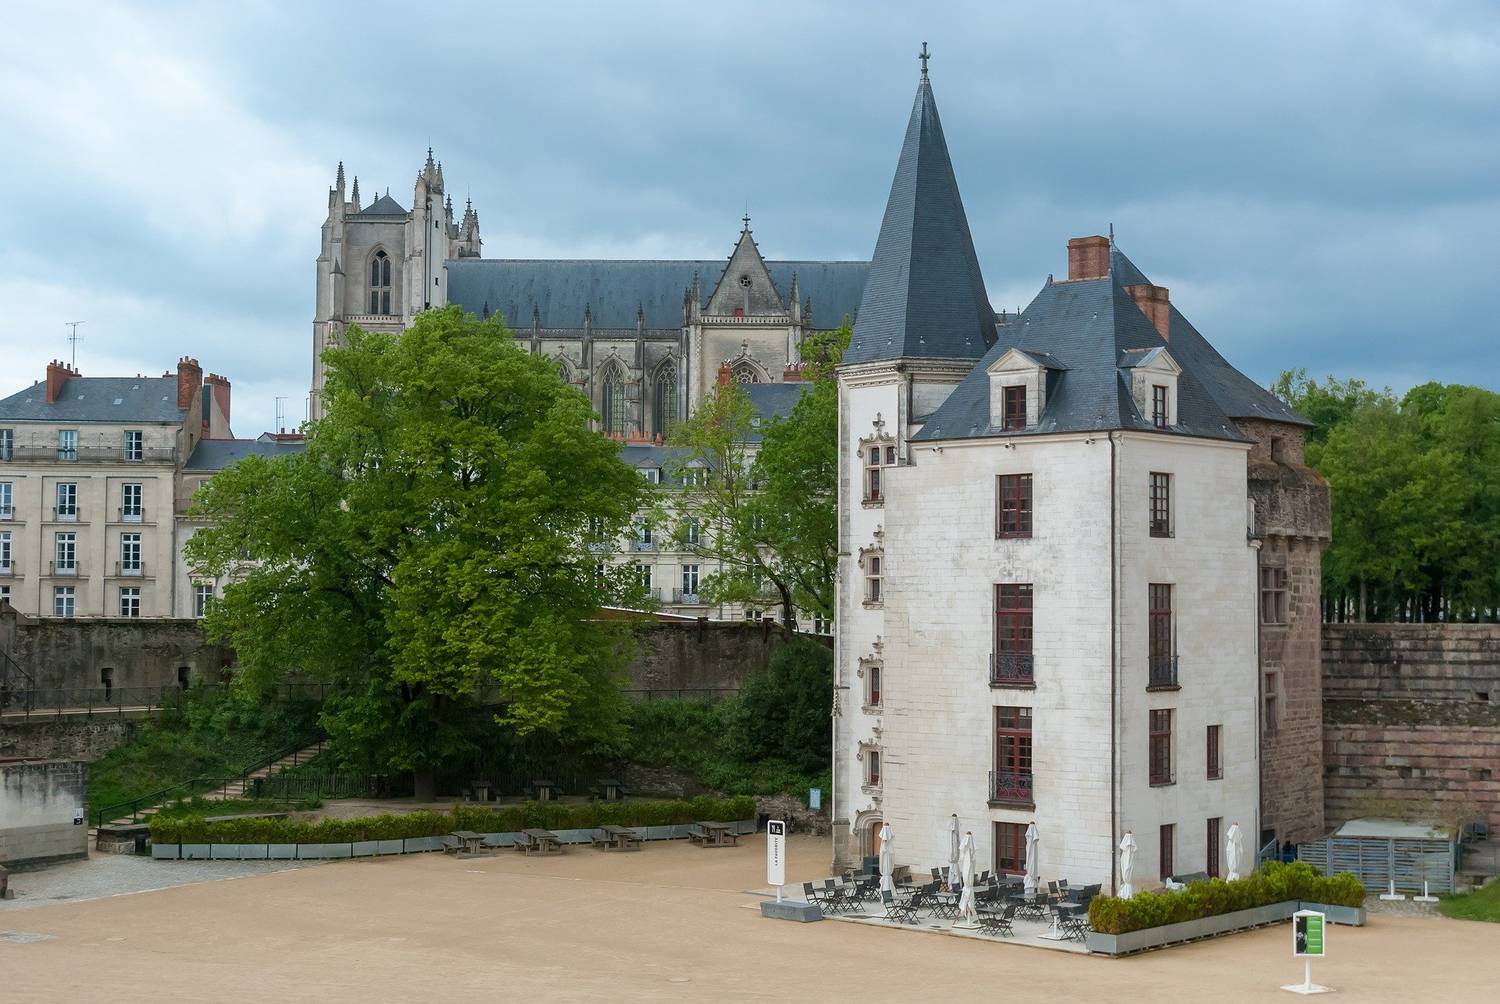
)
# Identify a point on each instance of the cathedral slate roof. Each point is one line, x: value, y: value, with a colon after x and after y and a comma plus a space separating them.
x: 925, y: 297
x: 383, y: 206
x: 1094, y: 328
x: 217, y: 454
x: 613, y: 290
x: 97, y: 399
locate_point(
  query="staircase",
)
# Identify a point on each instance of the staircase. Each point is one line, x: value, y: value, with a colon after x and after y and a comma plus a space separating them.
x: 243, y: 786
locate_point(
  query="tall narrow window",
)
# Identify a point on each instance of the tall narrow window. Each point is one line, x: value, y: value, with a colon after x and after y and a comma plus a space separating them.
x: 664, y: 403
x: 1273, y: 595
x: 1013, y: 661
x: 7, y: 500
x: 1272, y: 706
x: 63, y: 601
x: 1214, y: 755
x: 872, y: 768
x: 65, y: 554
x: 380, y: 284
x: 1161, y: 504
x: 1013, y: 508
x: 643, y: 576
x: 1010, y: 848
x: 5, y: 554
x: 1015, y: 407
x: 203, y: 592
x: 130, y: 601
x: 1168, y: 840
x: 1011, y: 781
x: 130, y: 554
x: 7, y: 444
x: 66, y: 510
x: 135, y: 445
x: 1213, y: 846
x: 689, y: 583
x: 877, y: 457
x: 873, y: 576
x: 1163, y: 665
x: 67, y: 444
x: 872, y: 685
x: 614, y: 404
x: 694, y: 531
x: 131, y: 509
x: 1161, y: 746
x: 1159, y: 417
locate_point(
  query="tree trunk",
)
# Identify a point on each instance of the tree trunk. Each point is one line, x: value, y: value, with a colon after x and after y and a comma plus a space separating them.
x: 788, y: 614
x: 1361, y: 599
x: 424, y: 785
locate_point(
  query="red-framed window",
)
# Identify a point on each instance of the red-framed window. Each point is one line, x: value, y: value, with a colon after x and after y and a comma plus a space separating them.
x: 876, y: 458
x: 1168, y: 840
x: 1214, y: 756
x: 1214, y: 825
x: 1161, y: 746
x: 1015, y: 407
x: 872, y: 767
x: 1013, y: 633
x: 872, y: 685
x: 1011, y: 781
x: 1013, y: 505
x: 1010, y: 848
x: 1161, y: 504
x: 1162, y: 665
x: 873, y: 578
x: 1159, y: 417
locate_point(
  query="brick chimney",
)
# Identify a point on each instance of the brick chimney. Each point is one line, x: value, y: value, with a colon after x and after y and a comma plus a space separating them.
x: 1155, y: 304
x: 219, y: 386
x: 189, y: 380
x: 726, y: 375
x: 1088, y: 258
x: 57, y: 375
x: 792, y: 374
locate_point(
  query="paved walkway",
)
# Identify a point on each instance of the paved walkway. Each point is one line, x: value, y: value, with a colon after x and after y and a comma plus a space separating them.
x: 670, y: 922
x: 104, y: 875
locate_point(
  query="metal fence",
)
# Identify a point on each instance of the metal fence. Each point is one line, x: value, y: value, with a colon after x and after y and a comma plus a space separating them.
x: 677, y: 693
x: 1379, y: 861
x: 28, y: 702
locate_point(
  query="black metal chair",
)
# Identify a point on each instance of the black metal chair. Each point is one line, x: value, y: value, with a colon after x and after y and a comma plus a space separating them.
x: 998, y: 922
x: 900, y: 911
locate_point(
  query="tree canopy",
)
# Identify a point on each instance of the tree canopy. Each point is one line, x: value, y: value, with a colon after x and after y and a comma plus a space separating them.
x: 1416, y: 497
x: 432, y: 553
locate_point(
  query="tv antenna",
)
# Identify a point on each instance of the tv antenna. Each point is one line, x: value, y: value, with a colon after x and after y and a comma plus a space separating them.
x: 73, y: 338
x: 280, y: 414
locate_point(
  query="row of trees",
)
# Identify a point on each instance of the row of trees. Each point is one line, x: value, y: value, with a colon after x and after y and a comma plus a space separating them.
x: 433, y: 555
x: 1416, y: 497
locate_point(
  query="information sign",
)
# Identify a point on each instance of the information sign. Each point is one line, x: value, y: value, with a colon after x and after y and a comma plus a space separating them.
x: 776, y: 855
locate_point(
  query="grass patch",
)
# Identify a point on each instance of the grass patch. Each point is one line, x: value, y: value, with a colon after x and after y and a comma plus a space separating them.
x: 1481, y: 904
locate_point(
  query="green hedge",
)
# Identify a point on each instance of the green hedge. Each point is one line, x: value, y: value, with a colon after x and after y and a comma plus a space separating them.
x: 1275, y: 882
x: 397, y: 826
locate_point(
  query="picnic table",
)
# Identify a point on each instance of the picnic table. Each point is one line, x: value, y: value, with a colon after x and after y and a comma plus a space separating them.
x: 618, y: 838
x: 711, y: 834
x: 546, y: 791
x: 539, y: 842
x: 471, y: 842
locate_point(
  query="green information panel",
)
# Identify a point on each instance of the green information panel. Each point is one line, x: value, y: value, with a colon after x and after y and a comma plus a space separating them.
x: 1307, y: 934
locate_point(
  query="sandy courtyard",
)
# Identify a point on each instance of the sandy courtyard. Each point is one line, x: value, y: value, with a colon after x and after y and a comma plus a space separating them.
x: 671, y: 922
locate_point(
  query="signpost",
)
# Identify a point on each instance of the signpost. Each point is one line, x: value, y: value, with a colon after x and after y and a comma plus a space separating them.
x: 776, y: 855
x: 1309, y: 941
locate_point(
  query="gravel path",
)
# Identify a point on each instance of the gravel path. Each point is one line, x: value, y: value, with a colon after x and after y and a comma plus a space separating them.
x: 105, y: 875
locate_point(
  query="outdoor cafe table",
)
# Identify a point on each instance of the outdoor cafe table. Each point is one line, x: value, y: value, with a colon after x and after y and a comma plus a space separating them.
x: 539, y: 842
x: 621, y: 838
x: 473, y: 843
x: 718, y: 834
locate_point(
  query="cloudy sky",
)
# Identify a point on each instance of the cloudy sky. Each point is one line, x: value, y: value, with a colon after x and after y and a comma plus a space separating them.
x: 1318, y: 183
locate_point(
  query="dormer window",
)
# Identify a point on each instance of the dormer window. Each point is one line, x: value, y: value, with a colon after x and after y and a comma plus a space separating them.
x: 1159, y: 417
x: 1015, y: 408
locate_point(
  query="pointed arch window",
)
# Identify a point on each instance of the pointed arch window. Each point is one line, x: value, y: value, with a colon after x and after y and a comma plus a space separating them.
x: 614, y: 404
x: 380, y: 283
x: 664, y: 412
x: 745, y: 373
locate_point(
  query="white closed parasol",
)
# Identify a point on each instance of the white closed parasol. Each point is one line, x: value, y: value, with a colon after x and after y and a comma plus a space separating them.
x: 1031, y: 859
x: 1127, y: 864
x: 953, y: 872
x: 887, y: 861
x: 968, y: 914
x: 1234, y: 850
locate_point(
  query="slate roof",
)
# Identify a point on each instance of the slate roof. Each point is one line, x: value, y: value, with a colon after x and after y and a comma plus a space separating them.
x: 925, y: 297
x: 1095, y: 329
x: 217, y: 454
x: 560, y: 289
x: 383, y: 206
x: 774, y: 400
x: 97, y: 399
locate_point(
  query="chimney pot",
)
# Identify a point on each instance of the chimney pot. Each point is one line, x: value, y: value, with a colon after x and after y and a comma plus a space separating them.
x: 1156, y: 304
x: 1088, y: 257
x: 189, y: 381
x: 57, y: 375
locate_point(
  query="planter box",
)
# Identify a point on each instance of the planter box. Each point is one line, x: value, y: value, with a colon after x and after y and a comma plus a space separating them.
x: 311, y: 852
x: 281, y: 852
x: 390, y: 846
x: 253, y: 852
x: 1190, y: 930
x: 418, y: 845
x: 364, y: 848
x: 196, y: 852
x: 1352, y: 916
x: 166, y: 852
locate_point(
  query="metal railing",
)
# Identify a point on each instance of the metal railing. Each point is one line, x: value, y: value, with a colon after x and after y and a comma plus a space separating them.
x: 33, y: 702
x: 7, y: 512
x: 683, y: 596
x: 1010, y: 786
x: 89, y: 454
x: 66, y: 514
x: 63, y: 569
x: 130, y: 569
x: 679, y: 693
x: 133, y: 515
x: 1163, y: 671
x: 636, y: 544
x: 8, y: 569
x: 1010, y: 668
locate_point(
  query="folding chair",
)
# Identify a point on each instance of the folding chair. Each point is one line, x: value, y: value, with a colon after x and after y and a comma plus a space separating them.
x: 897, y: 910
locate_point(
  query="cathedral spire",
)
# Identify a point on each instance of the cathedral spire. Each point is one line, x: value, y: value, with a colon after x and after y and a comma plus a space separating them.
x: 925, y: 296
x: 354, y: 195
x: 339, y: 184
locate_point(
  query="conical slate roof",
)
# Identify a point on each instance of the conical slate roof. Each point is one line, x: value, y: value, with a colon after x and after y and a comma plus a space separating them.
x: 925, y: 296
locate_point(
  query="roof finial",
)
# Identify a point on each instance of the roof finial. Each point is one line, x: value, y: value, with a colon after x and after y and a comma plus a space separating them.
x: 1111, y: 235
x: 746, y: 219
x: 924, y: 56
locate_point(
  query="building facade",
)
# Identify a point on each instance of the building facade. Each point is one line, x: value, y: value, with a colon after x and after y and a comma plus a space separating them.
x: 1048, y: 597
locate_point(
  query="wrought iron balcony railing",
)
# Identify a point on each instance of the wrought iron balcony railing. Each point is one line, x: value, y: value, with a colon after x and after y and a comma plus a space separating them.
x: 1163, y: 671
x: 1010, y: 786
x: 1011, y: 669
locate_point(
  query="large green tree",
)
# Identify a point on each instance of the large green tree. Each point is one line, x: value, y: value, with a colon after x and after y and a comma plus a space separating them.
x: 431, y: 554
x: 759, y: 499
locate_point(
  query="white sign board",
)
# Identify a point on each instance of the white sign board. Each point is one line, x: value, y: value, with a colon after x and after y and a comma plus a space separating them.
x: 776, y: 854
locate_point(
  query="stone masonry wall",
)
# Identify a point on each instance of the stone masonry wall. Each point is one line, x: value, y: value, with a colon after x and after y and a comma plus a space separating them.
x: 1411, y: 717
x: 72, y: 738
x: 140, y: 653
x: 39, y: 803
